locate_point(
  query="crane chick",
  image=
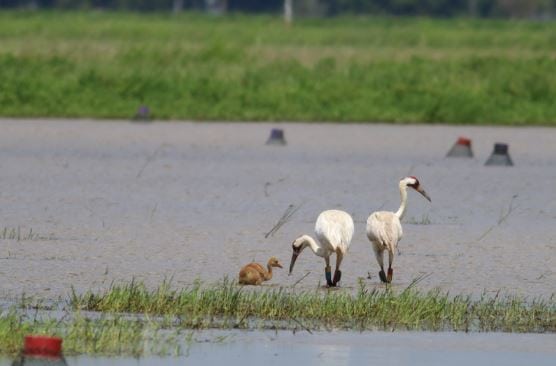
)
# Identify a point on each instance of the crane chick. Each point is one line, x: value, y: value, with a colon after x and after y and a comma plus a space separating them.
x: 255, y: 274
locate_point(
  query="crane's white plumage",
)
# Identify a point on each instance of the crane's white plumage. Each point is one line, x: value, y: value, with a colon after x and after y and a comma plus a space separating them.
x: 384, y: 228
x: 334, y: 231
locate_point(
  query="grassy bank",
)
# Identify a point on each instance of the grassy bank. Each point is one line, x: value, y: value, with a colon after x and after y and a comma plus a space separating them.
x: 132, y: 320
x: 81, y: 335
x: 253, y: 68
x: 197, y: 307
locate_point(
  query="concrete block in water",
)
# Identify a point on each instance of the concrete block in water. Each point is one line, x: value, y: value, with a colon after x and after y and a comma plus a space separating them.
x: 500, y: 156
x: 143, y: 114
x: 276, y: 137
x: 461, y: 149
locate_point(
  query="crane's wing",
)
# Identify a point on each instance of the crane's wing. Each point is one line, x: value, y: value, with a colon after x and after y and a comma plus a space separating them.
x: 257, y: 267
x: 334, y: 229
x: 384, y: 228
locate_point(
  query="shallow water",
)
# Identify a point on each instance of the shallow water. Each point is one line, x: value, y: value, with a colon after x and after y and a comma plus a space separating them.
x: 347, y: 348
x: 110, y: 201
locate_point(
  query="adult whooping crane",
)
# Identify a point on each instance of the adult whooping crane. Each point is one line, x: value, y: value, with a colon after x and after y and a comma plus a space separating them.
x: 384, y: 229
x: 334, y: 230
x: 255, y: 274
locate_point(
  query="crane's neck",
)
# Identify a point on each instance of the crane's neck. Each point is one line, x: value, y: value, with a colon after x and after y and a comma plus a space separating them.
x: 268, y: 274
x: 315, y: 247
x: 403, y: 205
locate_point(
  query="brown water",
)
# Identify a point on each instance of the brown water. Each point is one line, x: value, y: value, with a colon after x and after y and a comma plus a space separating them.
x: 110, y: 201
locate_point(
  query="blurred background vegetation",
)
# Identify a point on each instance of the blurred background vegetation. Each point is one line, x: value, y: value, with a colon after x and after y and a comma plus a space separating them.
x: 360, y: 67
x: 442, y: 8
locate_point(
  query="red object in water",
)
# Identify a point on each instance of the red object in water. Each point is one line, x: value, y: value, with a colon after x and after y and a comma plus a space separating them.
x: 462, y: 148
x: 41, y: 345
x: 464, y: 141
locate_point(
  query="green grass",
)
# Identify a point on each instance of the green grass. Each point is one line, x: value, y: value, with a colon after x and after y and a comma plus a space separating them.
x: 198, y: 307
x: 192, y: 66
x: 99, y: 336
x: 130, y: 319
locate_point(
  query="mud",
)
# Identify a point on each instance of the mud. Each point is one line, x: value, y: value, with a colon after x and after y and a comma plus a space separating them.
x: 114, y: 200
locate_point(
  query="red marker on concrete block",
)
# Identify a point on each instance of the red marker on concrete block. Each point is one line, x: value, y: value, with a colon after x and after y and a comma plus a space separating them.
x: 461, y: 149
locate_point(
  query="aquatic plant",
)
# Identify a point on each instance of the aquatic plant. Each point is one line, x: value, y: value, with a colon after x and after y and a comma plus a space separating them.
x: 131, y: 319
x: 20, y: 234
x: 99, y: 334
x: 228, y: 305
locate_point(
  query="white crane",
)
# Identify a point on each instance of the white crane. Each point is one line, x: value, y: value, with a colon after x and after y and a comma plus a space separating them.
x: 384, y: 229
x: 334, y: 230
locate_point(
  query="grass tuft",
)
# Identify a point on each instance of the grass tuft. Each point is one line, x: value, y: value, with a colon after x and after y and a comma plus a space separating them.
x: 17, y: 234
x: 200, y: 307
x: 82, y: 335
x: 131, y: 319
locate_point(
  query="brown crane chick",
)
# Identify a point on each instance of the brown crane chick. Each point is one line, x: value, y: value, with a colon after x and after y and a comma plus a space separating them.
x: 255, y: 274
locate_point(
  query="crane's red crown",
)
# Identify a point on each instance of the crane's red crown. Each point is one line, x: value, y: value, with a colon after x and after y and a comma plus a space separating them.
x: 416, y: 184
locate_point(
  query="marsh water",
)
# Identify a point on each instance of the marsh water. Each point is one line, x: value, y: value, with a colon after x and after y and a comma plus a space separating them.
x: 85, y: 203
x: 346, y: 348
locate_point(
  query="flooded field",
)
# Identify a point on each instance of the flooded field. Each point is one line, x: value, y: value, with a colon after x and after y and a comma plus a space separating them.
x: 347, y: 348
x: 86, y: 203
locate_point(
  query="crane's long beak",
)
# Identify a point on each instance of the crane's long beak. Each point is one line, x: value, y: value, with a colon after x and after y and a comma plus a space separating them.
x: 294, y: 258
x: 422, y: 191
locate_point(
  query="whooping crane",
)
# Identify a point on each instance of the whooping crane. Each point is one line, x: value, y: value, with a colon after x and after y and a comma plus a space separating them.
x: 384, y: 229
x: 334, y: 230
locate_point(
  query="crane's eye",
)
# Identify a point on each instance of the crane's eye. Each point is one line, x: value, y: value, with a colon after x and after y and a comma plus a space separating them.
x: 414, y: 185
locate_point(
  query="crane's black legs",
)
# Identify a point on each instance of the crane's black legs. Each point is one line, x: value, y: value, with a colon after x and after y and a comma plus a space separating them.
x: 382, y: 275
x: 386, y: 278
x: 337, y: 277
x: 337, y: 272
x: 379, y: 253
x: 390, y: 270
x: 328, y: 275
x: 333, y: 282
